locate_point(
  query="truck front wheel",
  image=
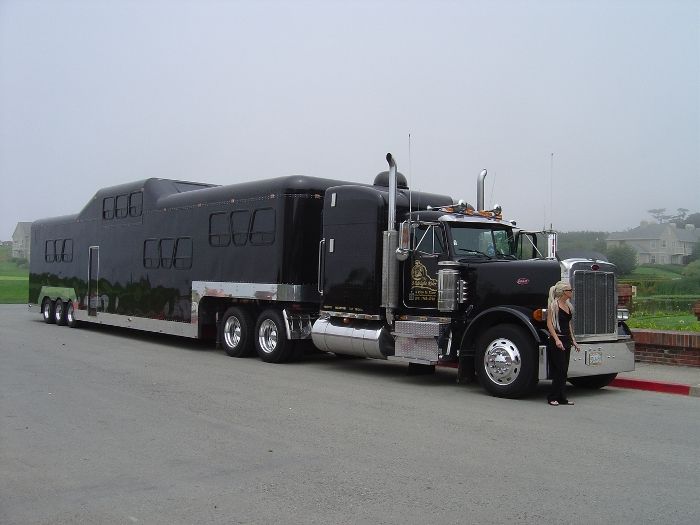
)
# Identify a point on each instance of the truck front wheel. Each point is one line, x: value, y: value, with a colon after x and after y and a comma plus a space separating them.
x: 271, y: 340
x: 236, y: 332
x: 506, y: 361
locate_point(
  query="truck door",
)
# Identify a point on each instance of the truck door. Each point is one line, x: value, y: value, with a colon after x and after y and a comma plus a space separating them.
x: 420, y: 270
x: 93, y: 277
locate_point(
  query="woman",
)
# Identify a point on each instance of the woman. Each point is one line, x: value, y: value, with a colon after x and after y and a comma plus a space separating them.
x: 561, y: 337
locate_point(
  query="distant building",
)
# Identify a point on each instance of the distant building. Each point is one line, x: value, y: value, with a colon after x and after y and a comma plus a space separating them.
x: 21, y: 240
x: 658, y: 243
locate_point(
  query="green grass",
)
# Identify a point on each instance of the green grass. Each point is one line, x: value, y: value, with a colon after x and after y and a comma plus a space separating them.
x: 665, y: 321
x: 13, y: 291
x: 14, y: 279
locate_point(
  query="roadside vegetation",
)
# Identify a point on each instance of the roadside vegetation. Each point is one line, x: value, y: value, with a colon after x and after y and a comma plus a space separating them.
x: 665, y: 294
x: 14, y: 278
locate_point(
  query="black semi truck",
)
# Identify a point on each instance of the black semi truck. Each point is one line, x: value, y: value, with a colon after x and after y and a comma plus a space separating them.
x: 374, y: 271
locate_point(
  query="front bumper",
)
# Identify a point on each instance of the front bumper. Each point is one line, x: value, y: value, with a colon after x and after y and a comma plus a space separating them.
x: 595, y: 359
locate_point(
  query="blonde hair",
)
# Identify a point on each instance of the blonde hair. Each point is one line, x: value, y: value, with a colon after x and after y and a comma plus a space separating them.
x: 555, y: 292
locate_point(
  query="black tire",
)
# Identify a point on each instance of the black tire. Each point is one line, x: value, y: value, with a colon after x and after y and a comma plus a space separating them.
x: 71, y: 321
x: 506, y: 361
x: 592, y: 382
x: 271, y: 341
x: 48, y: 311
x: 59, y: 309
x: 236, y: 332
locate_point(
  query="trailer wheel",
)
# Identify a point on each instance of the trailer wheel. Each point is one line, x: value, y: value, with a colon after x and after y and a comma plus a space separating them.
x: 236, y: 332
x: 59, y: 310
x: 48, y: 311
x: 71, y: 321
x: 592, y: 382
x: 506, y: 361
x: 271, y: 340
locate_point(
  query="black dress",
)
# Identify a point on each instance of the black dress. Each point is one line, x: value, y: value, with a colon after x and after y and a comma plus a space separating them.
x: 558, y: 360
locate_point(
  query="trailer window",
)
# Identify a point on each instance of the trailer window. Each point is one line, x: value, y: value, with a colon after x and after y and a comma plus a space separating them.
x: 108, y: 208
x: 136, y: 204
x: 167, y: 247
x: 262, y: 230
x: 121, y: 208
x: 183, y: 253
x: 151, y: 258
x: 240, y: 221
x: 50, y: 251
x: 219, y: 229
x: 67, y: 250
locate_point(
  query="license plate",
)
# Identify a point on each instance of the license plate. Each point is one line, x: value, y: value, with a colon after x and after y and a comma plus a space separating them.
x: 594, y: 358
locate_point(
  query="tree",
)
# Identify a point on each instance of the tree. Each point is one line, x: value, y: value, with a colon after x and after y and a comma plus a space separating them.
x: 680, y: 216
x: 659, y: 214
x: 695, y: 254
x: 694, y: 219
x: 624, y: 257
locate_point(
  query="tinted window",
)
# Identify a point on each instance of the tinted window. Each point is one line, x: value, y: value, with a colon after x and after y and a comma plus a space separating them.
x: 262, y: 229
x: 122, y: 207
x: 151, y: 257
x: 50, y: 251
x: 429, y: 239
x: 219, y: 232
x: 183, y: 253
x: 108, y: 208
x: 240, y: 221
x: 67, y: 250
x: 135, y: 204
x: 167, y: 247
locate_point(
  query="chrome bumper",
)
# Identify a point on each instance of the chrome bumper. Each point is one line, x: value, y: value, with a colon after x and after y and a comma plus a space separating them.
x: 595, y: 359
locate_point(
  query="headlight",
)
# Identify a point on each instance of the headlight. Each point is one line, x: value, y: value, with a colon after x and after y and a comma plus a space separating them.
x: 623, y: 314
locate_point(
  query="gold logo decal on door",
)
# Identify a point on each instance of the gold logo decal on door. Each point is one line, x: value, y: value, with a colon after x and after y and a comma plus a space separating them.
x: 423, y: 287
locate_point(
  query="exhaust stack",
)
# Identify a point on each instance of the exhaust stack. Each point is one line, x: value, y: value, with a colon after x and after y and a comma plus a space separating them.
x: 480, y: 191
x: 390, y: 264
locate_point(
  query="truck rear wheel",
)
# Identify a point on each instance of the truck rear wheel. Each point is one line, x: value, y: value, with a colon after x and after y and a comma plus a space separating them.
x: 271, y: 340
x: 47, y: 311
x: 59, y: 310
x: 592, y: 382
x: 506, y: 361
x: 236, y: 332
x: 71, y: 321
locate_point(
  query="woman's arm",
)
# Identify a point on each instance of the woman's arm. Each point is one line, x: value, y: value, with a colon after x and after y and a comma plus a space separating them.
x: 573, y: 341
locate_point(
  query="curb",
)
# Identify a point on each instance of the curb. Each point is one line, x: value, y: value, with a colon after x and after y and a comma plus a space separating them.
x: 656, y: 386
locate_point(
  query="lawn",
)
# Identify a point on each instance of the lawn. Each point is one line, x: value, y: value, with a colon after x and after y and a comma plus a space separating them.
x: 664, y: 321
x: 14, y: 279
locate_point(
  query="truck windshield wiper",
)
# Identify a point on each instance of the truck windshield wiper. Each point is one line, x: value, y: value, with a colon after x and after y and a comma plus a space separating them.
x: 475, y: 252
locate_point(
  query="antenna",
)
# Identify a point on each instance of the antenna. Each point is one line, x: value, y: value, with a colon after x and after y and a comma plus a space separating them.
x: 410, y: 180
x: 551, y: 192
x: 492, y: 187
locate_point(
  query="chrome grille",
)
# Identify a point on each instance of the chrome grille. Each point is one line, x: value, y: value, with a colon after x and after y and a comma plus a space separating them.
x: 595, y: 304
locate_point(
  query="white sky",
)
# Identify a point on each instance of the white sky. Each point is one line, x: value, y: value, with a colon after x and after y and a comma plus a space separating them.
x: 100, y: 92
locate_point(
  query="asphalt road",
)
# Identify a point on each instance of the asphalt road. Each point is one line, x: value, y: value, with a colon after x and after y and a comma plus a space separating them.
x: 109, y: 426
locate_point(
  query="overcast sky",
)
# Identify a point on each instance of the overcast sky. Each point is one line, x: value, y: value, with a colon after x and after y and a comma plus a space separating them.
x: 585, y: 113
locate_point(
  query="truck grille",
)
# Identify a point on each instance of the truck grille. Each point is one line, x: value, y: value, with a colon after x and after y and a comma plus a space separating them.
x: 595, y: 303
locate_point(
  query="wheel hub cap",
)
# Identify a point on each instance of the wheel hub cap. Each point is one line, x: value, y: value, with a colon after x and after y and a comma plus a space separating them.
x: 232, y: 332
x: 502, y: 361
x: 267, y: 336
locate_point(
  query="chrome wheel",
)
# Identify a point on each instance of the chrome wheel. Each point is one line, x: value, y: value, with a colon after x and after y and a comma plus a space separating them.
x: 502, y: 361
x: 268, y: 336
x: 232, y: 332
x: 58, y: 311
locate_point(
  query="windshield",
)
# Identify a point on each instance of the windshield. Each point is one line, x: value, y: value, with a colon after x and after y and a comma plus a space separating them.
x: 470, y: 241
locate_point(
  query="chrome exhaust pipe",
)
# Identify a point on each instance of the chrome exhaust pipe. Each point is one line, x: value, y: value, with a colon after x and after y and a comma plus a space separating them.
x: 480, y: 191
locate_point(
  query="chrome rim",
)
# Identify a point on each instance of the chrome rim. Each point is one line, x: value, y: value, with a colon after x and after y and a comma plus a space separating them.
x: 69, y: 313
x: 267, y: 336
x: 232, y: 331
x: 59, y: 311
x: 46, y: 310
x: 502, y: 361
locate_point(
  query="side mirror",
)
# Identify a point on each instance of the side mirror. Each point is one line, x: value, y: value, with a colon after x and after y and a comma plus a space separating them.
x: 404, y: 241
